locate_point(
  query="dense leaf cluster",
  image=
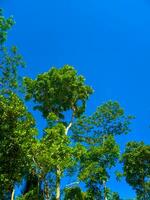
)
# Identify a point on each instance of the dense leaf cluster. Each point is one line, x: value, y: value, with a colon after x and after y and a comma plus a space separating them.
x: 136, y: 160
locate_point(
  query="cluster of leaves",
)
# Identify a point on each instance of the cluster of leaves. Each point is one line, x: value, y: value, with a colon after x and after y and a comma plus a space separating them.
x: 5, y: 25
x: 136, y: 165
x: 53, y: 150
x: 75, y: 193
x: 17, y: 131
x: 97, y: 133
x: 57, y: 91
x: 10, y: 59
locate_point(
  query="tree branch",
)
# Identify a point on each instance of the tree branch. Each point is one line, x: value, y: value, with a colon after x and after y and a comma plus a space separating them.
x: 71, y: 122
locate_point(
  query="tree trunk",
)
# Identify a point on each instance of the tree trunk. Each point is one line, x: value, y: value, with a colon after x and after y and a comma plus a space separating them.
x: 46, y: 191
x: 58, y: 174
x: 13, y: 194
x: 104, y: 185
x: 58, y: 171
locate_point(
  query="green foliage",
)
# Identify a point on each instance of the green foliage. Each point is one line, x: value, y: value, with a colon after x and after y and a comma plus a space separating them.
x: 5, y: 25
x: 31, y: 195
x: 17, y: 131
x: 58, y: 90
x: 115, y: 196
x: 97, y: 134
x: 53, y: 150
x: 109, y: 119
x: 102, y: 157
x: 10, y: 59
x: 32, y: 189
x: 94, y: 166
x: 74, y: 193
x: 136, y: 166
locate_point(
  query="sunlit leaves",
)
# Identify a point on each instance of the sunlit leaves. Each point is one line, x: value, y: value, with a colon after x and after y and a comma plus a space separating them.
x: 136, y: 166
x: 17, y: 131
x: 58, y: 90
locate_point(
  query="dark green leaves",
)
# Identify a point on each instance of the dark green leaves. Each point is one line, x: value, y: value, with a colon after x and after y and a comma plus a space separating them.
x: 97, y: 134
x: 5, y: 25
x: 10, y: 60
x: 136, y: 166
x: 109, y: 119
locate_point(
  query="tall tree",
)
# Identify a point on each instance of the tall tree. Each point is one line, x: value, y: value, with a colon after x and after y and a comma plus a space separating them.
x: 16, y: 135
x: 97, y: 133
x: 16, y: 123
x: 136, y: 167
x: 59, y: 93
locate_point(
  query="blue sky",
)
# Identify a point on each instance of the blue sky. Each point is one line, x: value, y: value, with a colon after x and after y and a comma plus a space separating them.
x: 108, y: 41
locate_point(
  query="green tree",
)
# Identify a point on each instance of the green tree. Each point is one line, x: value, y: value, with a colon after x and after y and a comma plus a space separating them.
x: 136, y: 167
x: 14, y: 117
x: 97, y: 133
x: 17, y: 131
x: 51, y: 151
x: 59, y: 93
x: 10, y: 59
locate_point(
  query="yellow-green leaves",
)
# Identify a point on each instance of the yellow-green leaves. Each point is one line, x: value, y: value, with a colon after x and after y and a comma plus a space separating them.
x: 57, y: 91
x: 16, y: 134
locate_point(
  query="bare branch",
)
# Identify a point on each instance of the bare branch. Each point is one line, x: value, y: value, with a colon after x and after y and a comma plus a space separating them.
x: 71, y: 122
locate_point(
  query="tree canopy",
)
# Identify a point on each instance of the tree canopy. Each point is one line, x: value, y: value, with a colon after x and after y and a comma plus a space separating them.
x: 136, y: 166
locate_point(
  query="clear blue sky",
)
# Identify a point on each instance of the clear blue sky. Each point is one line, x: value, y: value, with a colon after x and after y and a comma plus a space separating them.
x: 108, y: 41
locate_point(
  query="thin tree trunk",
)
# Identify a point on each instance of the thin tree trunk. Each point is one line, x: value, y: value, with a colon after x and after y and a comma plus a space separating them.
x: 58, y: 170
x: 70, y: 124
x: 58, y: 174
x: 104, y: 185
x: 46, y: 191
x: 13, y: 194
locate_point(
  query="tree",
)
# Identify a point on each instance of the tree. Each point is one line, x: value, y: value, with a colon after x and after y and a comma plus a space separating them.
x: 51, y: 151
x: 17, y: 131
x: 97, y: 134
x: 136, y: 167
x: 17, y: 125
x: 56, y: 93
x: 10, y: 59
